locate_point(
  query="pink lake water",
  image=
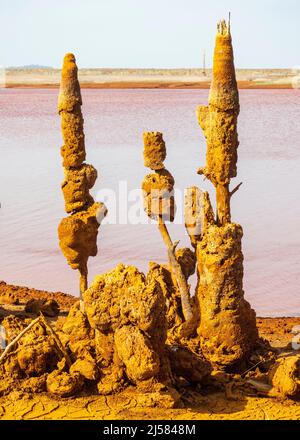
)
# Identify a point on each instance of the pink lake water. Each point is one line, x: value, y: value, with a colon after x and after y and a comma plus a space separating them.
x: 267, y: 205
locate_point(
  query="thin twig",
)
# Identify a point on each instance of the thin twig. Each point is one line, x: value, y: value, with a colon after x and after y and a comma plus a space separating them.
x: 253, y: 366
x: 177, y: 271
x: 235, y: 189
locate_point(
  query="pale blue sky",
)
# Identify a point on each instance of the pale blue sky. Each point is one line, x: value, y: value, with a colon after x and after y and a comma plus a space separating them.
x: 147, y: 33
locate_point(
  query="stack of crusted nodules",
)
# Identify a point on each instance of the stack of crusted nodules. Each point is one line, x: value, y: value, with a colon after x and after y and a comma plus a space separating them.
x: 157, y: 187
x: 78, y: 231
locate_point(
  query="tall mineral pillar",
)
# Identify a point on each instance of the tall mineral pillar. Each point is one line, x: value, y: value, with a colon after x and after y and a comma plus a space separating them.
x: 77, y: 232
x: 219, y: 122
x: 227, y: 327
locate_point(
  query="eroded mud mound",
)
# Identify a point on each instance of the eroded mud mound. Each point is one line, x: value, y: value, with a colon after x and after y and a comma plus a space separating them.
x: 128, y: 314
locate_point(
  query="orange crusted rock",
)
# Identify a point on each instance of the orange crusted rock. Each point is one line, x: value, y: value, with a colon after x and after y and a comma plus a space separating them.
x: 158, y: 193
x: 48, y: 307
x: 112, y: 379
x: 135, y: 351
x: 76, y: 186
x: 12, y: 326
x: 63, y: 384
x: 122, y: 296
x: 219, y: 123
x: 163, y: 275
x: 285, y: 376
x: 73, y: 150
x: 227, y: 326
x: 128, y: 314
x: 219, y: 119
x: 198, y: 213
x: 78, y: 335
x: 69, y: 92
x: 112, y: 374
x: 37, y: 352
x: 154, y: 150
x: 78, y: 235
x: 87, y: 368
x: 185, y: 363
x: 187, y: 260
x: 224, y: 92
x: 9, y: 298
x: 69, y: 107
x: 192, y: 219
x: 76, y: 325
x: 227, y: 323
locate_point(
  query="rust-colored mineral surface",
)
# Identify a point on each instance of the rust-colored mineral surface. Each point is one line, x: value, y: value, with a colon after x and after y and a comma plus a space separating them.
x: 227, y: 323
x: 227, y: 327
x: 219, y: 122
x: 78, y: 232
x: 78, y: 235
x: 129, y: 316
x: 154, y: 150
x: 158, y: 195
x: 69, y: 108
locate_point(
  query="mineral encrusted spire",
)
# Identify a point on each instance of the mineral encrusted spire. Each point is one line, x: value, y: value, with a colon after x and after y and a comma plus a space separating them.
x: 224, y: 93
x: 219, y: 123
x: 69, y: 108
x: 227, y: 327
x: 77, y: 232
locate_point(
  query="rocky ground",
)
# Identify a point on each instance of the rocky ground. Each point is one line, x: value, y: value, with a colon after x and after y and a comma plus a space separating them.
x: 229, y: 398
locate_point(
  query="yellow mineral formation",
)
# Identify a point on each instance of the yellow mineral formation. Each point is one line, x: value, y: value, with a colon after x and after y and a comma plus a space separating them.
x: 76, y: 186
x: 78, y: 235
x: 128, y: 312
x: 154, y: 150
x: 227, y: 326
x: 158, y: 195
x: 165, y: 276
x: 69, y: 107
x: 187, y: 260
x: 219, y: 123
x: 285, y: 376
x: 159, y: 204
x: 227, y: 323
x: 198, y: 213
x: 78, y: 232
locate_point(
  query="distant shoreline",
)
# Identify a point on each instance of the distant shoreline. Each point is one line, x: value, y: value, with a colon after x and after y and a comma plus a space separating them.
x: 150, y: 85
x: 148, y: 78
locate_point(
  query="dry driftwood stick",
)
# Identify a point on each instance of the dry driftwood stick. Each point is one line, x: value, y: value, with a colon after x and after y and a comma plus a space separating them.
x: 17, y: 338
x: 83, y: 285
x: 260, y: 386
x: 177, y: 271
x: 56, y: 339
x: 235, y: 189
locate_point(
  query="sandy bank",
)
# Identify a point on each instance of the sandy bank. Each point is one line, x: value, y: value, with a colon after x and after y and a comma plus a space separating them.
x: 147, y: 78
x: 151, y: 85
